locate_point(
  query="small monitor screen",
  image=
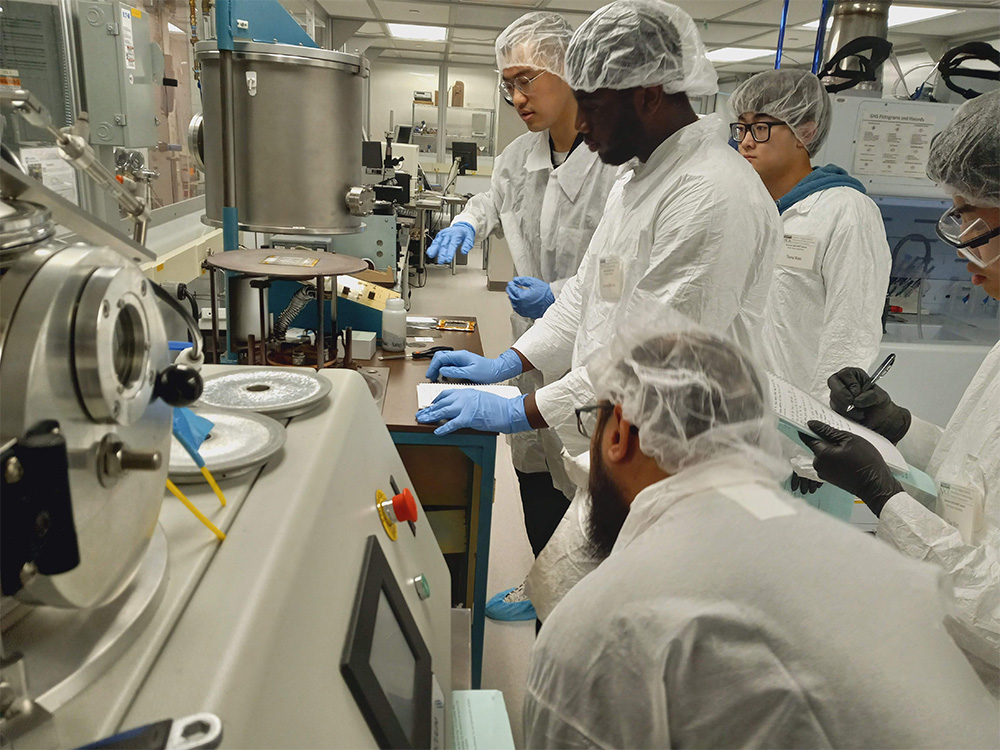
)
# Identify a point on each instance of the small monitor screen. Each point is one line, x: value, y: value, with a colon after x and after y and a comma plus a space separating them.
x: 371, y: 154
x: 403, y: 133
x: 468, y: 153
x: 394, y: 664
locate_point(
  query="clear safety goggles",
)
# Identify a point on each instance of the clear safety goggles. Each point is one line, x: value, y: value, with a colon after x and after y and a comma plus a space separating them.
x: 969, y: 238
x: 522, y: 83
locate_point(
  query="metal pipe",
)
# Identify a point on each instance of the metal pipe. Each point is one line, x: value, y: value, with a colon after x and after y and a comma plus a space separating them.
x: 214, y: 301
x: 781, y: 35
x: 820, y: 36
x: 69, y: 44
x: 320, y: 325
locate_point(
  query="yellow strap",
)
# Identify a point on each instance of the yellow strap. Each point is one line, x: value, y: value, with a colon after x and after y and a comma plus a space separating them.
x: 197, y: 513
x: 215, y: 487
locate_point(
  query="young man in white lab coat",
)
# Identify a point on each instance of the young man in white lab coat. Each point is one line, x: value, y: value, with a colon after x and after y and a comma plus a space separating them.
x: 547, y: 197
x: 688, y: 227
x: 963, y: 536
x: 824, y: 310
x: 727, y: 613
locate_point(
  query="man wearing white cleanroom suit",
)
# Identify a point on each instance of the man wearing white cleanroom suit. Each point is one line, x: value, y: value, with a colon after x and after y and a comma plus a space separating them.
x: 546, y: 197
x: 726, y: 612
x: 963, y: 537
x: 688, y: 227
x: 824, y: 309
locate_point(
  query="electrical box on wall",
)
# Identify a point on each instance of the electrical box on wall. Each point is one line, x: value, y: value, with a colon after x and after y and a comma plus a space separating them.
x: 122, y: 74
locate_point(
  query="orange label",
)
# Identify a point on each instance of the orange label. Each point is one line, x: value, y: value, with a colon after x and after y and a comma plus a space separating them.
x: 136, y: 13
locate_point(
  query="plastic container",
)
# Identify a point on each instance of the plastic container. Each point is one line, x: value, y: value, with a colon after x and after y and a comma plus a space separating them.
x: 394, y: 326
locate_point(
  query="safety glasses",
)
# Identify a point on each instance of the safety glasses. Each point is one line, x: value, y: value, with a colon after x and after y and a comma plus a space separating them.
x: 759, y: 131
x: 586, y: 418
x: 521, y: 82
x: 969, y: 238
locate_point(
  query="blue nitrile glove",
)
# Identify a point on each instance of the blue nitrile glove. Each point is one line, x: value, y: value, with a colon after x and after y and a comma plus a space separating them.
x: 462, y: 365
x: 529, y: 297
x: 448, y: 240
x: 191, y: 431
x: 476, y: 410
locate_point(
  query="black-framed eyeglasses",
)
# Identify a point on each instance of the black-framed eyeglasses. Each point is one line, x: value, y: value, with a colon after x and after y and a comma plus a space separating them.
x: 520, y: 82
x: 968, y: 237
x: 586, y: 417
x: 759, y: 131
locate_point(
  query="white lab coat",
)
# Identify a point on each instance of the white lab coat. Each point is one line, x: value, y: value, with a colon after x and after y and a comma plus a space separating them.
x: 547, y: 216
x: 730, y: 614
x: 965, y: 456
x: 692, y: 230
x: 696, y: 233
x: 827, y: 316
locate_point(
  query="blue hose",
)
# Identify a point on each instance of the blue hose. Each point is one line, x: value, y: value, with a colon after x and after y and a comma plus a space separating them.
x: 781, y: 35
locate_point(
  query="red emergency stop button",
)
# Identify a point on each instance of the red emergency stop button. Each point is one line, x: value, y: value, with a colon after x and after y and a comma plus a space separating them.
x: 404, y: 506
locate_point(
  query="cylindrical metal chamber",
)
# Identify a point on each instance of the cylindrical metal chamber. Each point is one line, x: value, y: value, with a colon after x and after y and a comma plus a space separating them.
x: 297, y: 122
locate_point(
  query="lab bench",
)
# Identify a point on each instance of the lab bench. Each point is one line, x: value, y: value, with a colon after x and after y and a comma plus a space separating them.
x: 453, y: 475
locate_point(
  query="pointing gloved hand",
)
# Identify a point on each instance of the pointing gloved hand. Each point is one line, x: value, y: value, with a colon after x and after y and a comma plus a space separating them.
x: 804, y: 485
x: 448, y: 240
x: 477, y: 410
x: 529, y: 296
x: 872, y: 406
x: 463, y: 365
x: 851, y: 463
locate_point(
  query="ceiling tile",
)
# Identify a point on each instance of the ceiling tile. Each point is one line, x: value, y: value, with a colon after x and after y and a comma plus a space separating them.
x: 527, y: 4
x: 497, y: 18
x: 470, y: 60
x: 372, y: 27
x: 460, y: 34
x: 957, y: 24
x: 769, y: 11
x: 407, y: 44
x: 473, y: 49
x: 794, y: 39
x: 715, y: 34
x: 424, y: 13
x: 347, y: 8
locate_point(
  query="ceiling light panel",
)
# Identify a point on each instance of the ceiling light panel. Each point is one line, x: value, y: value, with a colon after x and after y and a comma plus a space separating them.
x: 418, y: 33
x: 737, y: 54
x: 900, y: 15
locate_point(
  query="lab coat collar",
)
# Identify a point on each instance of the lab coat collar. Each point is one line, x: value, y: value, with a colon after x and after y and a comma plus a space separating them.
x: 677, y: 146
x: 572, y: 173
x: 655, y: 500
x: 539, y: 157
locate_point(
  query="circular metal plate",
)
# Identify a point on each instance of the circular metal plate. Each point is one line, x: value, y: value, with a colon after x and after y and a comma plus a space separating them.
x: 286, y: 263
x: 275, y: 391
x: 238, y: 443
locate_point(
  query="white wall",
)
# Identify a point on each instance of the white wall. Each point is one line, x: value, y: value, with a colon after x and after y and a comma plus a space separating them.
x: 392, y: 87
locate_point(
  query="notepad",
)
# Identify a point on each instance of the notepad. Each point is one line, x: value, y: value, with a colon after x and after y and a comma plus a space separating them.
x: 795, y: 408
x: 427, y: 392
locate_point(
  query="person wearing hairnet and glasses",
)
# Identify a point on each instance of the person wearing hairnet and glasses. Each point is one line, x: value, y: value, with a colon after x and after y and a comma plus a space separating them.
x: 963, y: 536
x: 824, y: 310
x: 688, y: 227
x: 727, y: 613
x: 546, y: 197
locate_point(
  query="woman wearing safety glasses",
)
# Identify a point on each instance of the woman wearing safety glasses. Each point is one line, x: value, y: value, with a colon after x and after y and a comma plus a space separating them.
x: 963, y: 458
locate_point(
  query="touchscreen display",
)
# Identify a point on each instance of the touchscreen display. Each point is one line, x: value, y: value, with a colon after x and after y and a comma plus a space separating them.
x: 394, y: 664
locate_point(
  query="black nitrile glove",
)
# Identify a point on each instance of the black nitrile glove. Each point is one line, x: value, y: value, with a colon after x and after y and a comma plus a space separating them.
x: 872, y: 406
x: 851, y: 463
x: 804, y: 485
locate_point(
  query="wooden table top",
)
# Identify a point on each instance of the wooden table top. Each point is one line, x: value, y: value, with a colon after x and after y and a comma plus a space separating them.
x: 400, y: 404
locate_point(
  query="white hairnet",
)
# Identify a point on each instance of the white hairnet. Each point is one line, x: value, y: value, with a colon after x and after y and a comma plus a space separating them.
x: 633, y: 43
x: 965, y: 156
x: 796, y: 97
x: 693, y: 395
x: 535, y: 40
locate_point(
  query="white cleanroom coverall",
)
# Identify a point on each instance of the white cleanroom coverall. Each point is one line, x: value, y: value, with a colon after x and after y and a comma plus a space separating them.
x: 964, y: 460
x: 547, y: 217
x: 730, y: 614
x: 692, y: 230
x: 827, y: 316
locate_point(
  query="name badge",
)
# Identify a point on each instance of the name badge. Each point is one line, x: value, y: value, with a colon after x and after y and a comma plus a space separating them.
x: 962, y: 507
x: 611, y: 279
x: 798, y: 251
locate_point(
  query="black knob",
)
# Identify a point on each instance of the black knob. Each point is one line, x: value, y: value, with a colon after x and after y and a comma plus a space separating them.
x: 179, y: 385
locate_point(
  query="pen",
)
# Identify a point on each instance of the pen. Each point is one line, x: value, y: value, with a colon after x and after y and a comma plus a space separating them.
x: 881, y: 370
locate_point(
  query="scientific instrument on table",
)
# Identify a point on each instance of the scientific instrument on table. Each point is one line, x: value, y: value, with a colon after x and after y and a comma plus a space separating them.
x: 103, y: 631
